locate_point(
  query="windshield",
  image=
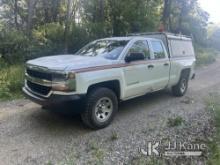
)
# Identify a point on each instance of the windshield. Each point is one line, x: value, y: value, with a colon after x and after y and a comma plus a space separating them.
x: 110, y: 49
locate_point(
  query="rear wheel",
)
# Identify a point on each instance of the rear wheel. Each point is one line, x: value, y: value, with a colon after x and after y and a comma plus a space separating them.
x: 181, y: 88
x: 101, y: 107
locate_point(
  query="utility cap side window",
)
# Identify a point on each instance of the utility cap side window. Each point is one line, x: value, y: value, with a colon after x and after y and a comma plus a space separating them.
x: 140, y: 47
x: 158, y: 50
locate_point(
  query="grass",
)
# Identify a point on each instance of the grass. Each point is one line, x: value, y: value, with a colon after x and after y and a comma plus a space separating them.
x: 175, y: 122
x: 97, y: 153
x: 213, y: 105
x: 143, y: 160
x: 114, y: 136
x: 93, y: 149
x: 11, y: 81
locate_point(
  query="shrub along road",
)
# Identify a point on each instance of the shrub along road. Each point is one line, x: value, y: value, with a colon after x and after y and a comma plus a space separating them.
x: 30, y: 135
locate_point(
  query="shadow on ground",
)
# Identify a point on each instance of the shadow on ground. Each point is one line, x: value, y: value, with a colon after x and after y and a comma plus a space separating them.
x: 65, y: 117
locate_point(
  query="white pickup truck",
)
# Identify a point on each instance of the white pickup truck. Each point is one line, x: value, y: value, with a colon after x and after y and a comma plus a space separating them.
x: 110, y: 70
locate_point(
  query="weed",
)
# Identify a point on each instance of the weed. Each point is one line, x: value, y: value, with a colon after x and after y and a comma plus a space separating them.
x: 174, y: 122
x: 114, y: 136
x: 213, y: 104
x: 97, y: 153
x: 49, y: 163
x: 69, y: 160
x: 143, y: 160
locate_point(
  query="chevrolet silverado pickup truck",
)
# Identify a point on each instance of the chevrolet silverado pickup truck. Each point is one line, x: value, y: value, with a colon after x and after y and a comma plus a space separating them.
x: 111, y: 70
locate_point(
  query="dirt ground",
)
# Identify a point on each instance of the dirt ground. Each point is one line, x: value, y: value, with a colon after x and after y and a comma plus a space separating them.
x: 31, y: 135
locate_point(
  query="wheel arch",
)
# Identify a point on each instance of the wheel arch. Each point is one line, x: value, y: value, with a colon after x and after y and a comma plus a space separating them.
x: 114, y: 85
x: 186, y: 72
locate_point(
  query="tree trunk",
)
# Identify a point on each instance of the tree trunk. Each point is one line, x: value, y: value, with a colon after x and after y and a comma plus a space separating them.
x: 31, y: 4
x: 55, y: 11
x: 16, y: 13
x: 166, y: 14
x: 67, y: 25
x: 180, y: 22
x: 101, y: 10
x: 75, y: 9
x: 46, y: 11
x: 184, y: 9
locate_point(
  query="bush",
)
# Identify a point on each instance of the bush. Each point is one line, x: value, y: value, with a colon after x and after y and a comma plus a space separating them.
x: 205, y: 56
x: 77, y: 39
x: 47, y: 40
x: 13, y: 46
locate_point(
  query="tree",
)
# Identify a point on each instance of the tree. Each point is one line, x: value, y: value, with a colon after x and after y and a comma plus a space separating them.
x: 16, y: 13
x: 67, y: 24
x: 166, y: 14
x: 214, y: 39
x: 50, y: 25
x: 31, y: 5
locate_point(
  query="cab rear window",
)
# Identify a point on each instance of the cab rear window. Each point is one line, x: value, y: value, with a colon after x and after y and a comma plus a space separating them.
x: 158, y: 50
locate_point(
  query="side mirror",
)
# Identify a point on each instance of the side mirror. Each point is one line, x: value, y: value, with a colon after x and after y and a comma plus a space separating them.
x: 134, y: 57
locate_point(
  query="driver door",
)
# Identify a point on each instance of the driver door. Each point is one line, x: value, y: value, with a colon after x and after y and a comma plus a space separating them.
x: 137, y: 74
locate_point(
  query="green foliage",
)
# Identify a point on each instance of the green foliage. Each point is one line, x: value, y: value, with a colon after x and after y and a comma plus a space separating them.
x: 97, y: 153
x: 213, y: 104
x: 144, y: 160
x: 78, y: 37
x: 205, y: 56
x: 30, y: 29
x: 47, y: 40
x: 186, y: 17
x: 11, y: 81
x: 13, y: 46
x: 174, y: 122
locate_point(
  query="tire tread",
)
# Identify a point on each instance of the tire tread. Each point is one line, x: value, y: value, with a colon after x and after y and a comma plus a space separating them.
x: 92, y: 97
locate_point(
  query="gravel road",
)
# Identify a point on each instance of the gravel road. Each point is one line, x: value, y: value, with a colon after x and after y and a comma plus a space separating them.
x: 31, y: 135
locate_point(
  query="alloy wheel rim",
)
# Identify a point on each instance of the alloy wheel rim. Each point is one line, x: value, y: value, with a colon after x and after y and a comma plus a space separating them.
x: 103, y: 109
x: 183, y: 86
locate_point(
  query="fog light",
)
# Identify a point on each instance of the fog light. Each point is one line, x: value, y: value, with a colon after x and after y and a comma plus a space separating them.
x: 60, y: 87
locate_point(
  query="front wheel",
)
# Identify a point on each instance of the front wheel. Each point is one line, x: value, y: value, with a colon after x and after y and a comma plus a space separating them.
x: 181, y: 88
x: 100, y: 109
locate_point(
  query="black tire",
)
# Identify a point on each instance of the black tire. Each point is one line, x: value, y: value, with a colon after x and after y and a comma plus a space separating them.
x: 178, y: 90
x: 89, y: 116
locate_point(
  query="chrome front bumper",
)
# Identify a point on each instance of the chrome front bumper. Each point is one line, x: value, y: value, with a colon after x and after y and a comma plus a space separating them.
x: 52, y: 99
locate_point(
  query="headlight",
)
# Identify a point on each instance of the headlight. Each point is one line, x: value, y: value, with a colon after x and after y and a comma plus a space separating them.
x: 71, y: 75
x: 65, y: 83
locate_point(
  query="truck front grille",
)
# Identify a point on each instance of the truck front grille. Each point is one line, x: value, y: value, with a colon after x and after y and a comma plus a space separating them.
x: 39, y: 89
x: 39, y: 75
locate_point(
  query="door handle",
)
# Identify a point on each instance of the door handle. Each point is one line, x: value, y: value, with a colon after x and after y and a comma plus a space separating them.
x: 150, y: 66
x: 166, y: 64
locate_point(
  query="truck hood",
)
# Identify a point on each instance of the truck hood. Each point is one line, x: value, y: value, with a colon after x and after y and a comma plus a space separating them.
x: 70, y: 62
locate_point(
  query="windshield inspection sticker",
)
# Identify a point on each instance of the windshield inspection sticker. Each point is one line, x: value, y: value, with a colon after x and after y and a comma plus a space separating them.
x: 173, y: 149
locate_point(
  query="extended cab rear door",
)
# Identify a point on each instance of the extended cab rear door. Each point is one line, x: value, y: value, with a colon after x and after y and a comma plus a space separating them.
x: 160, y: 64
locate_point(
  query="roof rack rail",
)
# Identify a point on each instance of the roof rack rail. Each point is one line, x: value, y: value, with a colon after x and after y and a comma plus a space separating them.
x: 156, y: 33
